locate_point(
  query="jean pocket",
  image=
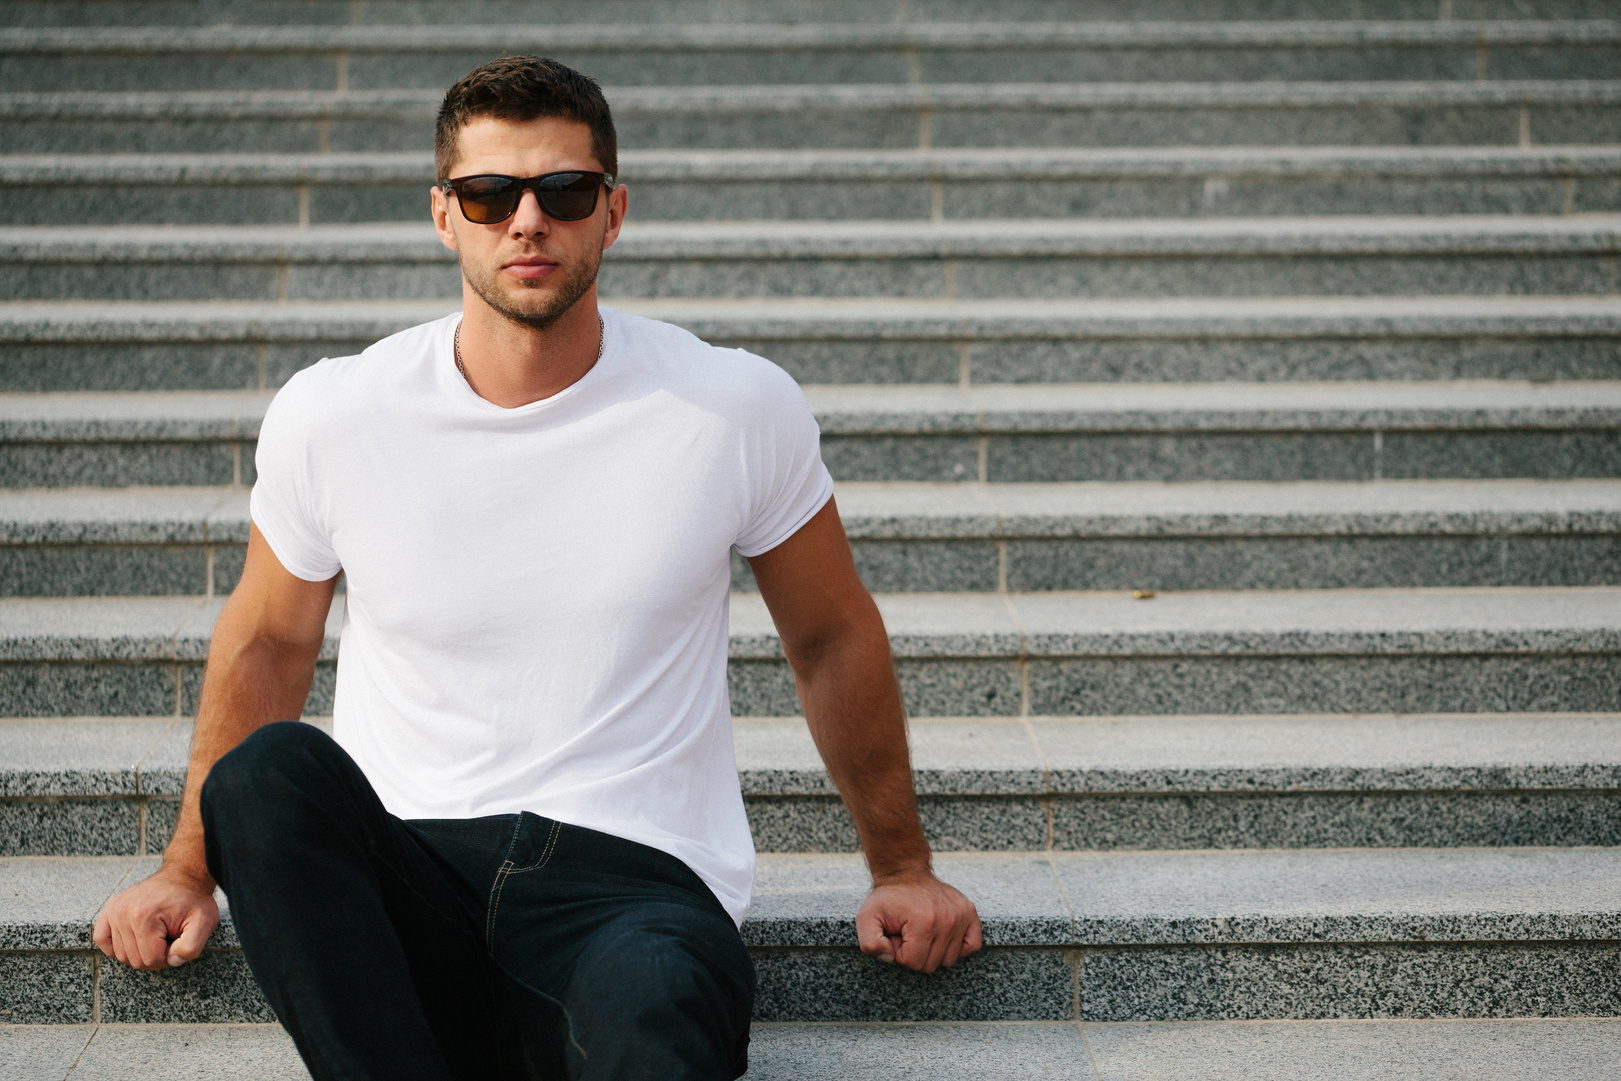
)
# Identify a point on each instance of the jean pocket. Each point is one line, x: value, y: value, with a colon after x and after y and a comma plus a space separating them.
x: 525, y: 830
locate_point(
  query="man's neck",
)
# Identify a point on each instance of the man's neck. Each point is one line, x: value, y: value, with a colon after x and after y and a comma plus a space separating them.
x: 509, y: 364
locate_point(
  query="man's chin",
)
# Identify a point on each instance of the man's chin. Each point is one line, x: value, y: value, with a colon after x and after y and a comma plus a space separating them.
x: 534, y: 303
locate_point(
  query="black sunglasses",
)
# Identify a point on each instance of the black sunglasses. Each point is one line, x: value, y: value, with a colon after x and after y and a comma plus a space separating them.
x: 491, y: 198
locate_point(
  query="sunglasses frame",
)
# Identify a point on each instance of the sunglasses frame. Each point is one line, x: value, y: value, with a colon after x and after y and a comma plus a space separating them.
x: 525, y: 183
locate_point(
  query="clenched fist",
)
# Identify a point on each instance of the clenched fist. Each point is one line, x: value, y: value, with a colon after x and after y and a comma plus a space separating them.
x: 914, y: 918
x: 160, y: 922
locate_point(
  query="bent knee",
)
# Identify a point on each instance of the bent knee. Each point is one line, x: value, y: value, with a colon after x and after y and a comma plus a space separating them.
x: 256, y: 770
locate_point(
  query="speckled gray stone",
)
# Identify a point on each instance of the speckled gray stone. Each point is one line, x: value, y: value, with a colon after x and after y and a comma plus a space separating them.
x: 1148, y: 114
x: 1283, y: 652
x: 1018, y: 984
x: 949, y: 757
x: 1329, y: 981
x: 1324, y: 256
x: 888, y: 341
x: 822, y: 185
x: 950, y: 823
x: 173, y: 1052
x: 56, y: 689
x: 69, y: 827
x: 1518, y: 1050
x: 163, y: 516
x: 91, y: 757
x: 1213, y: 408
x: 158, y: 818
x: 948, y: 1052
x: 1371, y: 895
x: 1336, y: 820
x: 42, y: 1052
x: 811, y: 900
x: 1278, y: 431
x: 46, y: 988
x: 915, y: 537
x: 47, y: 903
x: 1467, y: 683
x: 215, y: 987
x: 124, y: 629
x: 1148, y: 755
x: 1329, y: 753
x: 1171, y: 935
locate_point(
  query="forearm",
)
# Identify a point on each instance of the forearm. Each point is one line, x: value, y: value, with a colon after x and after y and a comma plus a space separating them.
x: 853, y: 706
x: 251, y: 680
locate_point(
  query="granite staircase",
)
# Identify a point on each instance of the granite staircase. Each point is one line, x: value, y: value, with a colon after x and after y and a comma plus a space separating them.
x: 1225, y: 399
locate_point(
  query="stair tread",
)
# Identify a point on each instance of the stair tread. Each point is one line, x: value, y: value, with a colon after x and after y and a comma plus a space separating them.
x: 1521, y: 1049
x: 277, y: 104
x: 121, y: 756
x: 903, y: 510
x: 1066, y: 898
x: 846, y: 317
x: 989, y: 238
x: 962, y: 625
x: 1032, y: 163
x: 865, y: 36
x: 1046, y: 407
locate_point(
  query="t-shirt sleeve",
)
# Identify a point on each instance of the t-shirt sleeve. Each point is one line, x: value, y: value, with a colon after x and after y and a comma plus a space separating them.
x: 284, y: 501
x: 788, y: 482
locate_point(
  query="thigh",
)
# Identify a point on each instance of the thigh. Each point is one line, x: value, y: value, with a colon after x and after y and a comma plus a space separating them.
x: 662, y: 991
x: 632, y: 967
x: 364, y: 931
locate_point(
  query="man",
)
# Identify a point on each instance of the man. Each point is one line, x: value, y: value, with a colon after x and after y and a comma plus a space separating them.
x: 525, y: 852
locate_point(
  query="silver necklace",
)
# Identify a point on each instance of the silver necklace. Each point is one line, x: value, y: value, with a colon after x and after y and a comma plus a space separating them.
x: 456, y: 345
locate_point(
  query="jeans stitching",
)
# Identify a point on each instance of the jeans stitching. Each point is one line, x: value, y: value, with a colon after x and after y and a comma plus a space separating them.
x: 546, y: 853
x: 495, y: 902
x: 501, y: 876
x: 495, y: 889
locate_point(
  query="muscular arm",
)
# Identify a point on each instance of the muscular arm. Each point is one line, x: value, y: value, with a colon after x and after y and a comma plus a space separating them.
x: 836, y: 644
x: 261, y: 661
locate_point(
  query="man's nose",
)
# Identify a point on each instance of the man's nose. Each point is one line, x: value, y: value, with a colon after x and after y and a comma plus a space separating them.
x: 529, y: 219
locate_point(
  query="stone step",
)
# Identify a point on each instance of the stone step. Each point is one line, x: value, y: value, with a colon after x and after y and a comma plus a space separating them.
x: 100, y: 346
x: 997, y: 434
x: 986, y: 259
x: 1069, y: 936
x: 1219, y: 431
x: 1546, y: 112
x: 962, y: 654
x: 386, y: 57
x: 109, y: 786
x: 1317, y: 535
x: 963, y: 537
x: 100, y: 13
x: 303, y: 189
x: 1523, y: 1049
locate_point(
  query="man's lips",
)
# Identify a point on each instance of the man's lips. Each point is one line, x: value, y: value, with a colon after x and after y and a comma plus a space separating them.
x: 530, y: 267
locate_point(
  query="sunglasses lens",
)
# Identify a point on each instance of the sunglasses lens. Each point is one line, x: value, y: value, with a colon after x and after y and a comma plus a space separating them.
x: 488, y: 199
x: 569, y: 196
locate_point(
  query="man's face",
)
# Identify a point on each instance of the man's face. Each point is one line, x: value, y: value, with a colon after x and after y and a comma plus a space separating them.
x: 531, y: 268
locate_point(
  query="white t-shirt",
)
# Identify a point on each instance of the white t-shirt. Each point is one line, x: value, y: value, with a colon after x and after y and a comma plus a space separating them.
x: 536, y: 616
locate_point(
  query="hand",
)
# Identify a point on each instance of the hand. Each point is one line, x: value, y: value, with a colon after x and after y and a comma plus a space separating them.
x: 160, y: 922
x: 914, y: 918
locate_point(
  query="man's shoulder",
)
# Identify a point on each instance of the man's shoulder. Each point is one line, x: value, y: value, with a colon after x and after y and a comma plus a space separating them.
x: 683, y: 360
x: 336, y: 381
x: 349, y: 386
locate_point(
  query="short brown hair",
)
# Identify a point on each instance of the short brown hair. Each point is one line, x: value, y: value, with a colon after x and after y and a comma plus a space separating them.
x: 524, y: 88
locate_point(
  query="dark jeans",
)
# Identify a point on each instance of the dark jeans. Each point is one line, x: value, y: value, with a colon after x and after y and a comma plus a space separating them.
x: 511, y: 946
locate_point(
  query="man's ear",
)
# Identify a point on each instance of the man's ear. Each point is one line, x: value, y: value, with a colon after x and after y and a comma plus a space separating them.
x: 441, y: 217
x: 618, y: 204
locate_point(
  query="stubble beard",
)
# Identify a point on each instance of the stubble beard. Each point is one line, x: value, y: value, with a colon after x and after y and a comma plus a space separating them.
x: 547, y: 305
